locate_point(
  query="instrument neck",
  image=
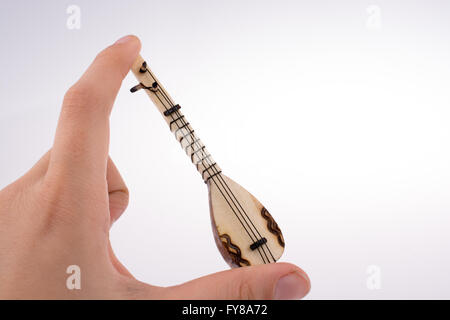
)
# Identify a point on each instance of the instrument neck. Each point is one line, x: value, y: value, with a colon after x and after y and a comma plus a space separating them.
x: 178, y: 124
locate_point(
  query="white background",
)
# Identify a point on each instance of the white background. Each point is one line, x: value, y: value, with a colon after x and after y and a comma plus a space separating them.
x: 338, y: 125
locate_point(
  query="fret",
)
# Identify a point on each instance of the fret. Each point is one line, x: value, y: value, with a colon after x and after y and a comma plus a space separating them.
x: 174, y: 121
x: 211, y: 166
x: 189, y: 140
x: 191, y: 132
x: 195, y: 152
x: 196, y: 141
x: 213, y: 175
x: 181, y: 128
x: 201, y: 162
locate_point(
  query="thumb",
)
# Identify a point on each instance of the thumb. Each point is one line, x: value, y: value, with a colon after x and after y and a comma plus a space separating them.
x: 280, y: 281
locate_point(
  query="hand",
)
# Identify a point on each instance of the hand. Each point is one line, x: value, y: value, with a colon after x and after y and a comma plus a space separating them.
x: 59, y: 213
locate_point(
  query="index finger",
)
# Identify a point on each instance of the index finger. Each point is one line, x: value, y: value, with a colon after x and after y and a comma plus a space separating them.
x: 82, y: 136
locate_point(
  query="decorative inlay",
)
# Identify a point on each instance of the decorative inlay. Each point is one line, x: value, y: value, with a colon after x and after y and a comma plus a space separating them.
x: 272, y: 226
x: 234, y: 251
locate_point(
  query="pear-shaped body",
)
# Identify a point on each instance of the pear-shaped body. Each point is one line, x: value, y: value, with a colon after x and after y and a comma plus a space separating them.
x: 245, y: 232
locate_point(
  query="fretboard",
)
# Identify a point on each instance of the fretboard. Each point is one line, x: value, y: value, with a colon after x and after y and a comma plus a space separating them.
x: 178, y: 124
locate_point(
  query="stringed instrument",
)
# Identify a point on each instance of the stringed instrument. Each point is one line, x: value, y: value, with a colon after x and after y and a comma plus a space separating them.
x: 244, y: 231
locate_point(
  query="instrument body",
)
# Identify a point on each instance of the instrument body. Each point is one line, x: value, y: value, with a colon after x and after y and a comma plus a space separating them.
x: 235, y: 230
x: 244, y: 231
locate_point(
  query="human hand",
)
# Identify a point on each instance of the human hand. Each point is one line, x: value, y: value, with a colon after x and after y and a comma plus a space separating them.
x: 59, y: 213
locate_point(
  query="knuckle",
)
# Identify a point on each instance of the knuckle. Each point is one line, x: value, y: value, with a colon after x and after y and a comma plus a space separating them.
x: 112, y: 59
x: 125, y: 197
x: 102, y: 55
x: 77, y: 96
x: 119, y: 199
x: 245, y: 290
x: 10, y: 199
x: 106, y: 54
x: 79, y: 101
x: 83, y: 98
x: 109, y: 56
x: 53, y: 196
x: 62, y: 208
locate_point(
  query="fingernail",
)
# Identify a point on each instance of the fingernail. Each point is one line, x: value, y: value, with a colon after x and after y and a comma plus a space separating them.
x: 124, y: 39
x: 292, y: 286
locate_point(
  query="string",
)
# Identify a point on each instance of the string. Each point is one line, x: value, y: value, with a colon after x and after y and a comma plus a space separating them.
x: 211, y: 166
